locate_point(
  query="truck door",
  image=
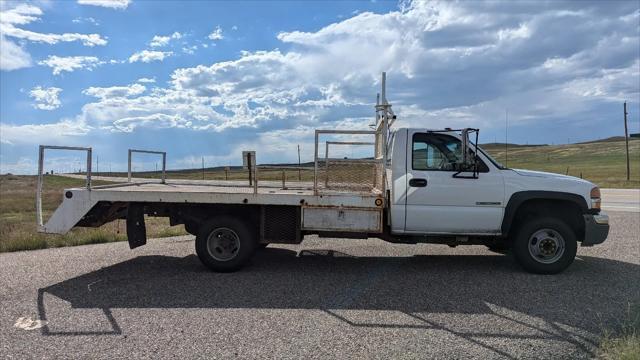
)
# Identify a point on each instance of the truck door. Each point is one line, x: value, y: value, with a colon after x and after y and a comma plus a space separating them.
x: 437, y: 202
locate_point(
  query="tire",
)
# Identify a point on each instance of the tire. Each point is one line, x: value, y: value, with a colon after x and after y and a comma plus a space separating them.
x: 225, y: 244
x: 544, y: 245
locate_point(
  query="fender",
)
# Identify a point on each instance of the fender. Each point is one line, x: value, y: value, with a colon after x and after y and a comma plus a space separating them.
x: 518, y: 198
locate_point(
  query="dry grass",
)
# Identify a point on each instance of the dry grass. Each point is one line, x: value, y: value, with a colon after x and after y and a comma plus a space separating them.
x: 602, y: 163
x: 18, y: 218
x: 624, y: 344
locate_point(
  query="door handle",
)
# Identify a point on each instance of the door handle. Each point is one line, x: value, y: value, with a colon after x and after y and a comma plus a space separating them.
x: 418, y: 182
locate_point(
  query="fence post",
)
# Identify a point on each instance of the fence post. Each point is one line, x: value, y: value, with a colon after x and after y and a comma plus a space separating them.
x: 255, y: 174
x: 283, y: 180
x: 250, y: 168
x: 89, y: 169
x: 164, y: 167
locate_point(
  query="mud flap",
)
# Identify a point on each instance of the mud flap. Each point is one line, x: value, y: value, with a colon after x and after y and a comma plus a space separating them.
x: 136, y: 230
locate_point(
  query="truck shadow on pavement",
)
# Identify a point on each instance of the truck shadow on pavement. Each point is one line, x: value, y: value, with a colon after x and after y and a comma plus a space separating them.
x: 479, y: 298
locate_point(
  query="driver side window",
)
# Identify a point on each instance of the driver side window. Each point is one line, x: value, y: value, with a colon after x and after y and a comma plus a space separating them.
x: 434, y: 151
x: 426, y: 156
x: 437, y: 151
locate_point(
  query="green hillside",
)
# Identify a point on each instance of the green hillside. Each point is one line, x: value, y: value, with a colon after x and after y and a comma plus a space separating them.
x: 602, y: 162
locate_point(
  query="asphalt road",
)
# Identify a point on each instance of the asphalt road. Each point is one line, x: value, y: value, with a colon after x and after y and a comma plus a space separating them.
x: 326, y: 298
x: 621, y: 200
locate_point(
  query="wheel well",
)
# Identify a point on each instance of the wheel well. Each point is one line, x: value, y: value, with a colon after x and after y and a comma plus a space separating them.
x: 566, y: 210
x: 271, y: 223
x: 192, y: 215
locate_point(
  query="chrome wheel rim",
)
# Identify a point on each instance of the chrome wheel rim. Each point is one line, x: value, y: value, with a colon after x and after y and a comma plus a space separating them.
x: 546, y: 246
x: 223, y: 244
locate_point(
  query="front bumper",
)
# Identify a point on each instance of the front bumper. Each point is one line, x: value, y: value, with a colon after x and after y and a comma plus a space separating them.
x: 596, y: 229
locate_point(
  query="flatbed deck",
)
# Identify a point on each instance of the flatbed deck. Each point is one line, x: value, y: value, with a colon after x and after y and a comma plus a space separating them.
x: 219, y: 192
x: 78, y: 201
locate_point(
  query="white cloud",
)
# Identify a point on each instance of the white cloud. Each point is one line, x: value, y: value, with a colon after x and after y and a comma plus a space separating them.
x: 23, y: 165
x: 114, y: 4
x: 159, y: 41
x: 12, y: 56
x: 45, y: 98
x: 158, y: 121
x: 90, y: 20
x: 24, y: 14
x: 190, y: 49
x: 70, y: 63
x: 216, y: 34
x: 54, y: 133
x: 147, y: 80
x: 105, y: 93
x: 147, y: 56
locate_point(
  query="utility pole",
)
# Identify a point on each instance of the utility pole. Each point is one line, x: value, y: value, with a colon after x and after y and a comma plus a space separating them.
x: 97, y: 164
x: 299, y: 171
x: 626, y: 138
x: 203, y: 168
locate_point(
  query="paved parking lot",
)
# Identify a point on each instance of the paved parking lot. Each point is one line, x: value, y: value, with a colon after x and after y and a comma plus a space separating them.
x: 326, y: 298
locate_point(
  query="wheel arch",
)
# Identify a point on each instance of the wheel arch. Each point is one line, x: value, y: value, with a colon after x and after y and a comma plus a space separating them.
x: 549, y: 203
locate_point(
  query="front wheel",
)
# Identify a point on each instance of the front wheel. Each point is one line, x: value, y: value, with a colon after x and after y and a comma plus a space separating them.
x: 225, y: 244
x: 544, y: 245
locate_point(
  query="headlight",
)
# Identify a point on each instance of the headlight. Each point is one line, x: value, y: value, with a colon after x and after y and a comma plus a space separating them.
x: 595, y: 198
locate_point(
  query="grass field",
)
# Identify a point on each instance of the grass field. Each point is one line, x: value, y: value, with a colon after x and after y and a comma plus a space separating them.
x: 602, y: 163
x: 18, y: 218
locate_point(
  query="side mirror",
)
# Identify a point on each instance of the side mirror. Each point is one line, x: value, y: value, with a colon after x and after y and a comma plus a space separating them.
x: 466, y: 161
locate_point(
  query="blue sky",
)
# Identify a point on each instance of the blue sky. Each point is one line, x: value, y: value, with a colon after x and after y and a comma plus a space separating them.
x: 210, y: 79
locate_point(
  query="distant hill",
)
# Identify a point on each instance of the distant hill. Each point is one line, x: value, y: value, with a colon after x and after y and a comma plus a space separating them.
x: 490, y: 146
x: 609, y: 139
x: 499, y: 145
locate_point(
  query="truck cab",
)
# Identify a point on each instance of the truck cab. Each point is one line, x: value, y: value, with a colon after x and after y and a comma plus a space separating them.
x: 539, y: 216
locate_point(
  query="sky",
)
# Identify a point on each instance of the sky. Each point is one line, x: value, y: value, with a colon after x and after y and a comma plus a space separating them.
x: 206, y: 80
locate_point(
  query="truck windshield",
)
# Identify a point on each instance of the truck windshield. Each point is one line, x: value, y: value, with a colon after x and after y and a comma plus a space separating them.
x: 494, y: 161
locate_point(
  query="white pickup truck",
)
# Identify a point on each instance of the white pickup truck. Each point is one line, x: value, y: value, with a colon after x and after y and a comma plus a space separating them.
x: 421, y: 186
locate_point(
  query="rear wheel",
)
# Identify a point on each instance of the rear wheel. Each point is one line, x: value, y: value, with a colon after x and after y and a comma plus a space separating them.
x: 225, y: 244
x: 545, y: 245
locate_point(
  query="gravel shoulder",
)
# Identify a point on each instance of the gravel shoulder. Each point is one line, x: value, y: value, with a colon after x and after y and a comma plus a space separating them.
x: 325, y: 298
